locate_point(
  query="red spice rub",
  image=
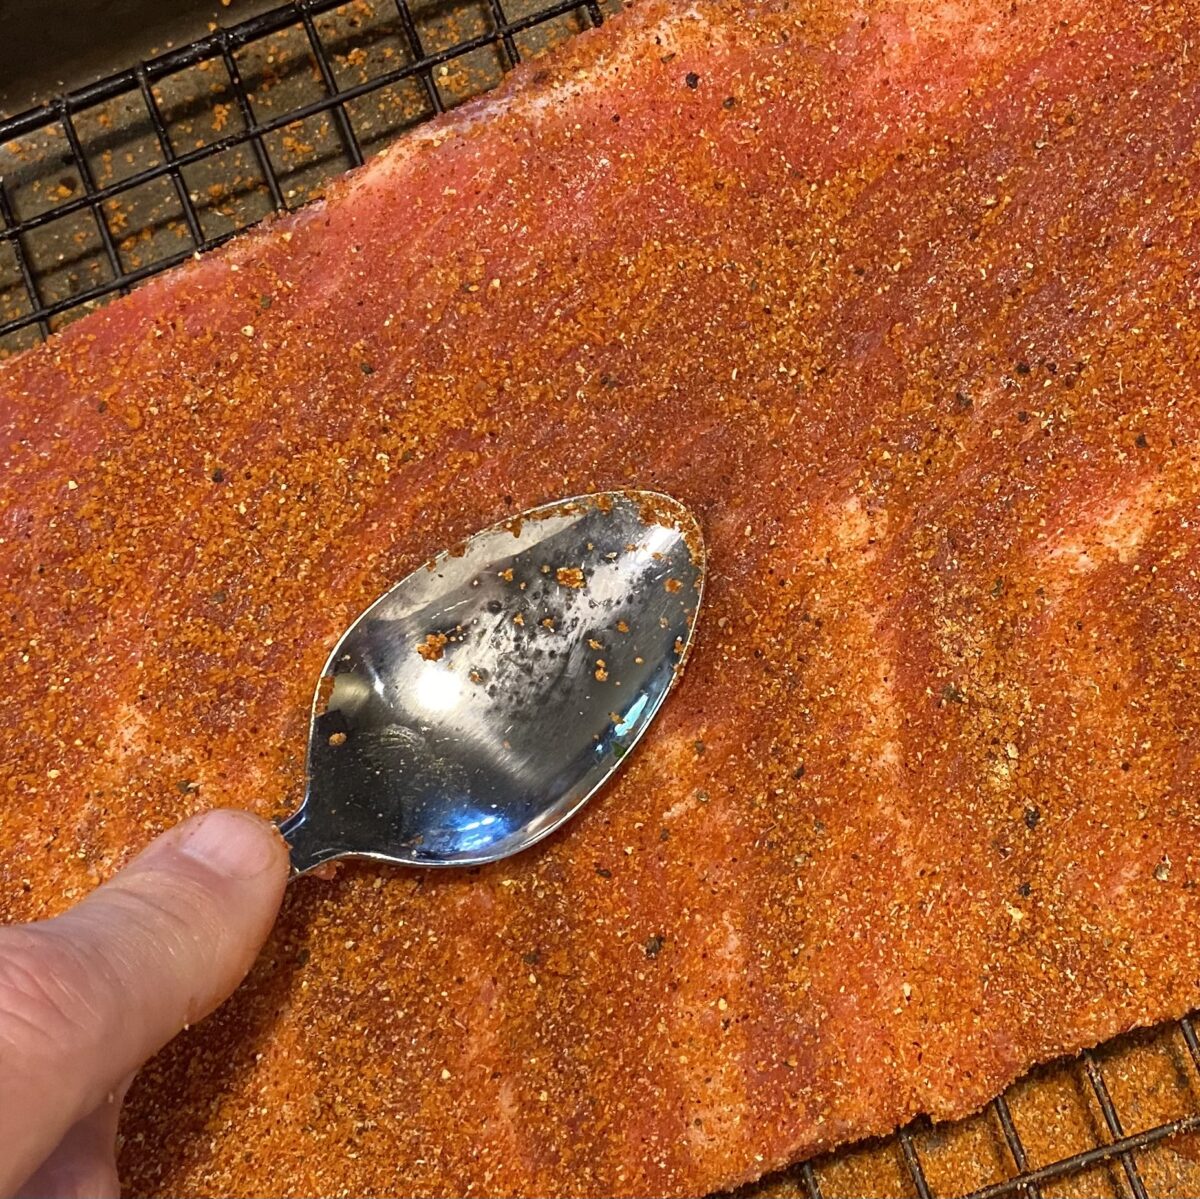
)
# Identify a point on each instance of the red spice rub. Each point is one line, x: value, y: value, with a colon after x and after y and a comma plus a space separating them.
x: 902, y: 300
x: 433, y: 647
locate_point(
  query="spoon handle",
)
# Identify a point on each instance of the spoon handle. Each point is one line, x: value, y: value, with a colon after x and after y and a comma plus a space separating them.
x: 307, y: 852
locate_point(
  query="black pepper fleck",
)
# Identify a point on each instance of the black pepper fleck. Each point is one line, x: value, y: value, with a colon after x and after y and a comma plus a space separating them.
x: 692, y: 80
x: 654, y: 945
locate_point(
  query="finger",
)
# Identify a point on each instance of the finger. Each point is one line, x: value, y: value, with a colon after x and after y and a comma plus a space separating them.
x: 84, y: 1164
x: 82, y: 1167
x: 86, y: 997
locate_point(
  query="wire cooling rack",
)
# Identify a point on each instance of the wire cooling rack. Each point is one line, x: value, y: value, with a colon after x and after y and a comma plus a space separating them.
x: 127, y: 177
x: 117, y: 181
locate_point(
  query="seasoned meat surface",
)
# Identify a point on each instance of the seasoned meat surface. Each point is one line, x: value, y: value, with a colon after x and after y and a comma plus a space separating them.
x: 901, y: 298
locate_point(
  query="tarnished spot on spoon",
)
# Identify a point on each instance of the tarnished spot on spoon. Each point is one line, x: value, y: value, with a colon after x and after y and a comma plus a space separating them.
x: 482, y: 701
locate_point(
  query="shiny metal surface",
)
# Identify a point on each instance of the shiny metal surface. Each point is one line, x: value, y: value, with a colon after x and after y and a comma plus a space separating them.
x: 482, y: 701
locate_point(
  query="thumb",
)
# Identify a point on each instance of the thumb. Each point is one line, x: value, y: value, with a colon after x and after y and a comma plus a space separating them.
x: 87, y: 997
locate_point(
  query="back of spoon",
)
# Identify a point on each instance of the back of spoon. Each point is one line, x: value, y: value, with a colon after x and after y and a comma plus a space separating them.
x: 482, y: 701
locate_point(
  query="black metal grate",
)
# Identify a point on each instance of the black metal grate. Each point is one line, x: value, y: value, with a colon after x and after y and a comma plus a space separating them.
x: 53, y: 268
x: 447, y: 51
x: 1114, y: 1151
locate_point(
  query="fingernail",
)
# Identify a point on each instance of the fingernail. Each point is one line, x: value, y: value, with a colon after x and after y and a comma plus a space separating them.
x: 235, y: 844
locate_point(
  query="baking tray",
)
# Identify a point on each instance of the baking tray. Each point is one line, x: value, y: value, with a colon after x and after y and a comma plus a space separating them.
x: 134, y: 134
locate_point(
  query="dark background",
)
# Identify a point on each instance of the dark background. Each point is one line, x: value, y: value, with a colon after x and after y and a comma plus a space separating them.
x: 47, y: 46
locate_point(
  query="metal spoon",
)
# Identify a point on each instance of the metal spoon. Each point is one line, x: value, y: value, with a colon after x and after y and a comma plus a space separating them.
x: 485, y: 698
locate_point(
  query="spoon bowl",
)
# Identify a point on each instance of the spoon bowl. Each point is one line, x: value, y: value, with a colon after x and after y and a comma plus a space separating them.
x: 479, y: 703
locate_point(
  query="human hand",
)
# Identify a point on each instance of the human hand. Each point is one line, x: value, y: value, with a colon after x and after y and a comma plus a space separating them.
x: 87, y: 997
